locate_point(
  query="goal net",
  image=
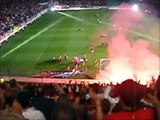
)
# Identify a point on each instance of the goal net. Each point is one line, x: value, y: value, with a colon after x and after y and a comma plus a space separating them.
x: 105, y: 61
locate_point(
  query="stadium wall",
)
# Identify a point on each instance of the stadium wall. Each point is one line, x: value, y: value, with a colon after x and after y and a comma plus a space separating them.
x: 49, y: 80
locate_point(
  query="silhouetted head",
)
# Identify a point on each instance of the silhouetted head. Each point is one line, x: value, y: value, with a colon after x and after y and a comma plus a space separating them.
x: 131, y: 93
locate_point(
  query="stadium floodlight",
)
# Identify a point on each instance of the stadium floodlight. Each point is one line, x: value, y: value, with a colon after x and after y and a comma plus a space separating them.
x: 135, y: 7
x: 52, y: 9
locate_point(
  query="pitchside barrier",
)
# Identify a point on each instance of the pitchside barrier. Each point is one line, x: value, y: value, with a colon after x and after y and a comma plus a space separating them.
x: 21, y: 26
x: 50, y: 80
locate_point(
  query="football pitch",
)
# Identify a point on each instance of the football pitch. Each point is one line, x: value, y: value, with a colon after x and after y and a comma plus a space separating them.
x: 31, y: 51
x: 56, y: 33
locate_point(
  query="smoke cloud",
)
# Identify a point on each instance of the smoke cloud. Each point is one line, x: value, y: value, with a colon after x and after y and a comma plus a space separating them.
x: 128, y: 58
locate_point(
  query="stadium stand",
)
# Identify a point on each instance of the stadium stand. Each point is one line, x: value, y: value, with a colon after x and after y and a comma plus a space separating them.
x: 128, y: 100
x: 70, y: 101
x: 17, y: 13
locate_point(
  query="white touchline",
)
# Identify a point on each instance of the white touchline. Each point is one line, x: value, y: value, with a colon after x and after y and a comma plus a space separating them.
x: 134, y: 32
x: 138, y: 33
x: 71, y: 16
x: 31, y: 38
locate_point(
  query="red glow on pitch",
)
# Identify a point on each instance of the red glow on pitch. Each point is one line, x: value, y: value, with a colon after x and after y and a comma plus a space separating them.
x: 129, y: 59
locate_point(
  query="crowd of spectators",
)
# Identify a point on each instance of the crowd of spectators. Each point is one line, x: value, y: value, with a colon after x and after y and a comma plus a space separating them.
x: 19, y: 101
x: 126, y: 101
x: 17, y: 12
x: 84, y: 2
x: 14, y: 13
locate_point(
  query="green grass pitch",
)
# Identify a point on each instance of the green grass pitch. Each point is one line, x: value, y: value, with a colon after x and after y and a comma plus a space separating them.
x: 69, y: 32
x: 58, y: 33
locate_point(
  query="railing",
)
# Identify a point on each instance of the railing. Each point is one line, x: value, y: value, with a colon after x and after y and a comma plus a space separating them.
x: 17, y: 28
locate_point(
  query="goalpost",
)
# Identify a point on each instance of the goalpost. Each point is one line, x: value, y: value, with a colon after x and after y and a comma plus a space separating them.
x: 103, y: 62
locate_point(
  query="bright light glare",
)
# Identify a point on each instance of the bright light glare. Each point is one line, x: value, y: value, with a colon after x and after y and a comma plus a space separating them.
x: 52, y: 8
x: 1, y: 80
x: 135, y: 7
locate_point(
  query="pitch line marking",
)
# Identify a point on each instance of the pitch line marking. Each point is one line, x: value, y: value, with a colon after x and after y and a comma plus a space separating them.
x: 138, y: 33
x: 31, y: 38
x: 38, y: 58
x: 134, y: 32
x: 71, y: 16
